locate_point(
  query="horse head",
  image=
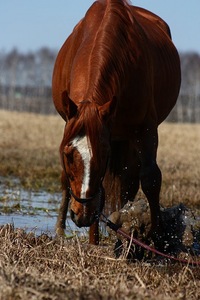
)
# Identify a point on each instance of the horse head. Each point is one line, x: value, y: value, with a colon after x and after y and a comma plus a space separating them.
x: 85, y: 153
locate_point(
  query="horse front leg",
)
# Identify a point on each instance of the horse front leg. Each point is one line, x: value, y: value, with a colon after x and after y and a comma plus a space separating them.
x: 62, y: 215
x: 129, y: 176
x: 94, y: 233
x: 151, y: 179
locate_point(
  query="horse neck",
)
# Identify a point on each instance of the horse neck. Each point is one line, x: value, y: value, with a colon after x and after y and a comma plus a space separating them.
x: 105, y: 76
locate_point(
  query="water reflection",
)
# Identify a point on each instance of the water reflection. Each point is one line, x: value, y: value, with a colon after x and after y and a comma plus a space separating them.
x: 32, y: 211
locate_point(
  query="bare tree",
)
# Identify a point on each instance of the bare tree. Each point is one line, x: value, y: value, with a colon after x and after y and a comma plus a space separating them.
x: 25, y: 83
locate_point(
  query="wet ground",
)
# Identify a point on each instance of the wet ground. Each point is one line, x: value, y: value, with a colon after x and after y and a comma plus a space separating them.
x: 30, y: 210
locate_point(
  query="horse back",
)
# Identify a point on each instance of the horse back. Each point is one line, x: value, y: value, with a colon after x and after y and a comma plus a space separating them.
x: 150, y: 80
x: 165, y: 61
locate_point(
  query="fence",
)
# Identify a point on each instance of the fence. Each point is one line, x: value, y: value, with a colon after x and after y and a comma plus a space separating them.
x: 39, y: 100
x: 28, y: 99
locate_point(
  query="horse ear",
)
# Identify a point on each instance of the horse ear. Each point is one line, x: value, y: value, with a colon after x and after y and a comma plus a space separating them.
x: 69, y: 106
x: 107, y: 110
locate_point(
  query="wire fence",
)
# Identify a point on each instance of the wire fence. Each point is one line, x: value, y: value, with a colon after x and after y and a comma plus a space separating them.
x: 39, y: 100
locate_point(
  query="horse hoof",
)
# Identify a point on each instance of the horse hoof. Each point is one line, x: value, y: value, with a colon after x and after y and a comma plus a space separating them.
x: 60, y: 232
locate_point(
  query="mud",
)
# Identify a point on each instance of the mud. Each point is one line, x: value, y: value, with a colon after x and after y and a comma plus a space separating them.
x: 180, y: 232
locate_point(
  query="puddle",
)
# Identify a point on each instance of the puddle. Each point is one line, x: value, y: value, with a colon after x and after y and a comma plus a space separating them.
x: 31, y: 211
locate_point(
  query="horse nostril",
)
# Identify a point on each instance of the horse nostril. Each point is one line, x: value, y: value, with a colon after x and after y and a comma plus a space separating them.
x: 75, y: 219
x: 83, y: 221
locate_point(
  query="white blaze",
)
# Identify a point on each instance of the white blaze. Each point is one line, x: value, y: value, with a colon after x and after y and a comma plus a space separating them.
x: 84, y: 148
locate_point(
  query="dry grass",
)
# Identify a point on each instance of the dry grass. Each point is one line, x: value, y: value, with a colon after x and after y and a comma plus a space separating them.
x: 29, y: 148
x: 179, y: 159
x: 30, y: 142
x: 42, y: 268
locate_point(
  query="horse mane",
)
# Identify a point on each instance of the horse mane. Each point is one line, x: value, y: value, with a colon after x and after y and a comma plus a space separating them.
x: 110, y: 60
x: 112, y: 41
x: 87, y: 122
x: 126, y: 2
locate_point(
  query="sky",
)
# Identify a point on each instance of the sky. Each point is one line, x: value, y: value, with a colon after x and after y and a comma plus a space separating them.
x: 29, y: 25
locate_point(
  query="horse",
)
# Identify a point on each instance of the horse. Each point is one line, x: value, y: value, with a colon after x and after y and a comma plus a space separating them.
x: 115, y: 80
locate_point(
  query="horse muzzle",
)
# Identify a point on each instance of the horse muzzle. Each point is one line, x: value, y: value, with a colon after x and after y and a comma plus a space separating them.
x: 82, y: 220
x: 85, y: 211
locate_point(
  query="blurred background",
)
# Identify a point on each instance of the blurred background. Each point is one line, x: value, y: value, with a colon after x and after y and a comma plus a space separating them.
x: 32, y: 32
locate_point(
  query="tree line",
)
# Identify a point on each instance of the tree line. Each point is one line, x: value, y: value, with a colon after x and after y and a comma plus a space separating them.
x: 25, y: 83
x: 25, y: 80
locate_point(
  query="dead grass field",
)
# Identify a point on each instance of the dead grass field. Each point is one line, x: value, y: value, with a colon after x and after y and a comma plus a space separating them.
x: 29, y: 150
x: 44, y: 268
x: 179, y: 160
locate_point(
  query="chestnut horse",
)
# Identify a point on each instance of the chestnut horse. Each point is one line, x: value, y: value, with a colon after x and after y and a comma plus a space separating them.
x: 116, y: 78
